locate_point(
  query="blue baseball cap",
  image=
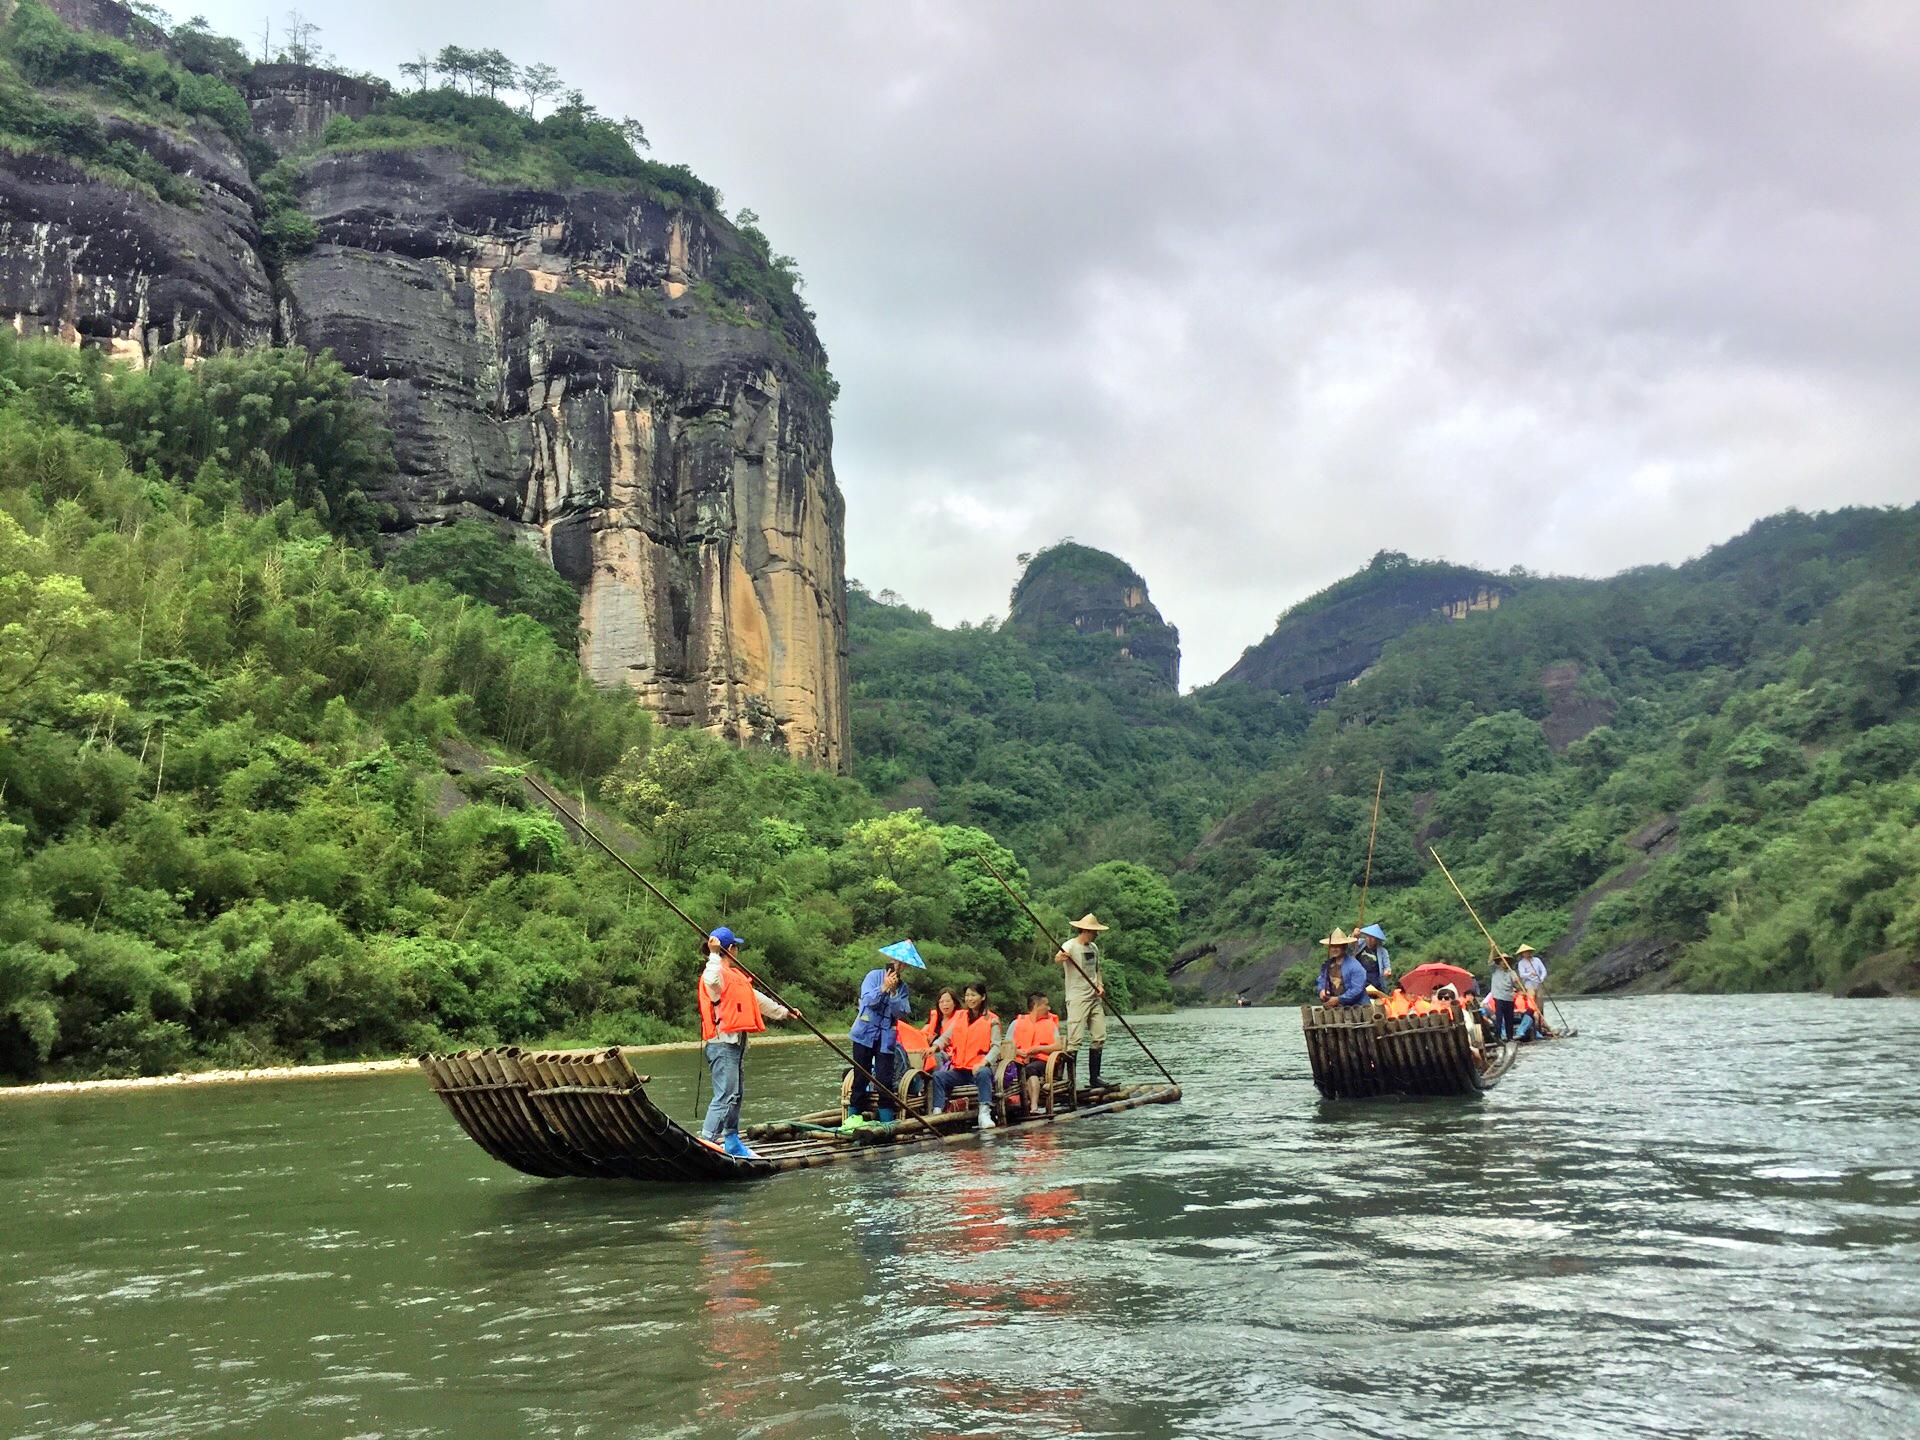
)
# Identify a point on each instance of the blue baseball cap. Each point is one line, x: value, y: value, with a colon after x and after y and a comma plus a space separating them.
x: 726, y: 938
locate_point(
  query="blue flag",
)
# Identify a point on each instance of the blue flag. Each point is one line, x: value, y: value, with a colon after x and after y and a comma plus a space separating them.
x: 903, y: 951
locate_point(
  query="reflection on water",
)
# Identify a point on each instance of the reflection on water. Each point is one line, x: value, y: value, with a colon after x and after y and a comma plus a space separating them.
x: 1700, y: 1218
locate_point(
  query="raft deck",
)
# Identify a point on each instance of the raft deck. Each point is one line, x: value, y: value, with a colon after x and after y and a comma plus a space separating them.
x: 587, y: 1113
x: 1359, y: 1054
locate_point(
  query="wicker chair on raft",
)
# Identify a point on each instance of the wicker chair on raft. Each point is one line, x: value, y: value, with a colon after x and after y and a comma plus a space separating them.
x: 1359, y: 1054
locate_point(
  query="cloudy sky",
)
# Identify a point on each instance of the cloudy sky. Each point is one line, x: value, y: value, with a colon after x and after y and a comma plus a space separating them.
x: 1246, y: 292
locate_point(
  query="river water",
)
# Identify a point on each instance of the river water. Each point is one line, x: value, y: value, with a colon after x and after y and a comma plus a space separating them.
x: 1701, y: 1217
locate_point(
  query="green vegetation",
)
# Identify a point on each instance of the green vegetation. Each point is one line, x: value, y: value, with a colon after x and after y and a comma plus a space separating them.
x: 574, y: 145
x: 1761, y: 699
x: 475, y: 560
x: 987, y: 727
x: 227, y: 831
x: 56, y: 83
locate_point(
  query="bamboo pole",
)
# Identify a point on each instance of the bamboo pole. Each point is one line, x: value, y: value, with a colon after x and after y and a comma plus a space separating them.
x: 1367, y: 877
x: 580, y: 823
x: 1038, y: 925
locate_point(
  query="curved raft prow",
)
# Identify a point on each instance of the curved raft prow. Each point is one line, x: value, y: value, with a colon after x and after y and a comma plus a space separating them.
x: 1357, y: 1054
x: 585, y: 1112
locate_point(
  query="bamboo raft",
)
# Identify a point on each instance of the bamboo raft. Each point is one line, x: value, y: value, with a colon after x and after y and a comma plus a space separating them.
x: 586, y: 1113
x: 1359, y: 1054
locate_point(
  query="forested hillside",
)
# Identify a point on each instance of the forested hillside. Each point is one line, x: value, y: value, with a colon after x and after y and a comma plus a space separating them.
x: 1703, y: 775
x: 246, y: 812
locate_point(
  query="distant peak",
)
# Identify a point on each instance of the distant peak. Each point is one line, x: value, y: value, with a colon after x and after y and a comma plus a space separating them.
x: 1072, y: 589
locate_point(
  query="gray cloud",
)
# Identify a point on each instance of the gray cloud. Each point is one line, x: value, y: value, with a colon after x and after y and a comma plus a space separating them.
x: 1248, y: 291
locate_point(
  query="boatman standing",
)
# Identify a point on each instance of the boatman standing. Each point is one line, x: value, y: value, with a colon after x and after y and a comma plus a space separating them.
x: 1501, y: 985
x: 1533, y: 979
x: 730, y: 1010
x: 1351, y: 978
x: 884, y: 1003
x: 1086, y: 993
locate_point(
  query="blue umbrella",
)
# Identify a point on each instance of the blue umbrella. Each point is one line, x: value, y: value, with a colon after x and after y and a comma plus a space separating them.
x: 903, y: 951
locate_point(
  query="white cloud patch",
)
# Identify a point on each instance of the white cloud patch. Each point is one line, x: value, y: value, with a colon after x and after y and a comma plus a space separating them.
x: 1246, y: 292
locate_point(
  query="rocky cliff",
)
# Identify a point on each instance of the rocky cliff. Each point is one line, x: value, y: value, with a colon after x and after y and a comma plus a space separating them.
x: 1330, y: 639
x: 1071, y: 589
x: 556, y: 359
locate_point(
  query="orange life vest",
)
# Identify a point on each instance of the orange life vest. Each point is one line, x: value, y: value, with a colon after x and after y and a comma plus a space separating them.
x: 967, y: 1038
x: 934, y: 1031
x: 1030, y: 1034
x: 1525, y: 1003
x: 1397, y: 1005
x: 738, y: 1013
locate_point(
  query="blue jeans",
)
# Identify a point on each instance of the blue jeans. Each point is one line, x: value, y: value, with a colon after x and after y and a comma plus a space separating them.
x: 727, y: 1064
x: 878, y: 1063
x: 946, y: 1077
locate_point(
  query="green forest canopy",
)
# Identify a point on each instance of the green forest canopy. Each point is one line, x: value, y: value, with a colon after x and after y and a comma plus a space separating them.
x: 227, y: 830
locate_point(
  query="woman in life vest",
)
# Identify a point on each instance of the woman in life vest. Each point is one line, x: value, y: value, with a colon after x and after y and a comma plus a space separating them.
x: 1398, y: 1005
x: 945, y: 1007
x: 730, y: 1010
x: 965, y: 1052
x: 1036, y: 1035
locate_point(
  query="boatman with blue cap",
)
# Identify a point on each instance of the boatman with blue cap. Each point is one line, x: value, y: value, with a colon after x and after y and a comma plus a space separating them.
x: 1372, y: 955
x: 730, y: 1010
x: 884, y: 1003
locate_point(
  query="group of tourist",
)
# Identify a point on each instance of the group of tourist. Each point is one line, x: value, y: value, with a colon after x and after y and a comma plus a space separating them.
x: 963, y: 1043
x: 1359, y: 971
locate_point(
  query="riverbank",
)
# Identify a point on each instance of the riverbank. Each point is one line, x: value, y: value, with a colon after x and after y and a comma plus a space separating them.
x: 343, y: 1069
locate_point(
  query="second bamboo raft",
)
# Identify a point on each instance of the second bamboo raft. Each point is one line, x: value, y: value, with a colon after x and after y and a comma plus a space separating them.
x: 1359, y: 1054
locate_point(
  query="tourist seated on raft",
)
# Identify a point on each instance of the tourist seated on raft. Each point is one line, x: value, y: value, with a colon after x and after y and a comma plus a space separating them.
x: 1035, y: 1037
x: 964, y: 1053
x: 945, y: 1006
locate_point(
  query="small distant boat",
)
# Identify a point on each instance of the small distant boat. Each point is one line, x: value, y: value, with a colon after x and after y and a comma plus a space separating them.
x: 587, y: 1113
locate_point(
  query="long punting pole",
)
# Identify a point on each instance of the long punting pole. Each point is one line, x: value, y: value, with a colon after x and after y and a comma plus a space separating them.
x: 1483, y: 929
x: 1041, y: 927
x: 1463, y: 898
x: 580, y: 823
x: 1367, y: 877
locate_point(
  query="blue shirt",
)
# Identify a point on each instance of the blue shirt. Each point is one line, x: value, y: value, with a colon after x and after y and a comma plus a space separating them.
x: 879, y: 1012
x: 1353, y: 980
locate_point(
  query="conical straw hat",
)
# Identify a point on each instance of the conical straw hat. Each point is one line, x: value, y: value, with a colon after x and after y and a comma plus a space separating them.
x: 1087, y: 922
x: 1338, y: 937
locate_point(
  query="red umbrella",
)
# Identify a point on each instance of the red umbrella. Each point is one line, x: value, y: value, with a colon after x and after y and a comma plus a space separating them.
x: 1421, y: 981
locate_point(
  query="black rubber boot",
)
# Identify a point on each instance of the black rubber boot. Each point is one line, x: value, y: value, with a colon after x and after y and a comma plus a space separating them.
x: 1093, y: 1068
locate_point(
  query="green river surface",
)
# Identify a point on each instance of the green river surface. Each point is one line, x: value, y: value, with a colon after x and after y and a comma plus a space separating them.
x: 1701, y: 1217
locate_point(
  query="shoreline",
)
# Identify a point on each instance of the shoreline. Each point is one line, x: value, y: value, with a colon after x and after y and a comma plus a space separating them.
x: 331, y: 1070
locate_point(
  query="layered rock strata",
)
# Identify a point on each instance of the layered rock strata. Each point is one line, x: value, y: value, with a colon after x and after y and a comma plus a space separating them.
x: 543, y: 361
x: 560, y: 362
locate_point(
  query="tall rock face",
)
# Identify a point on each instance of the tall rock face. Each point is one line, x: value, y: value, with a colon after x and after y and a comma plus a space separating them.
x: 1075, y: 589
x: 555, y: 361
x: 292, y: 105
x: 1331, y: 639
x: 128, y: 271
x: 565, y: 363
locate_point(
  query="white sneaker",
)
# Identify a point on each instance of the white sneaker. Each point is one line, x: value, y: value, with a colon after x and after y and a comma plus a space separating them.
x: 986, y: 1120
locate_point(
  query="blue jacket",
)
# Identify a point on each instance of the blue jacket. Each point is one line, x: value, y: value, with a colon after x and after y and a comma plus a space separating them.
x: 879, y: 1013
x: 1353, y: 979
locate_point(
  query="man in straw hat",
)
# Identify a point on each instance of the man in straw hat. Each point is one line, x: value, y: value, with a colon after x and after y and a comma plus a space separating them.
x: 1079, y: 958
x: 1343, y: 979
